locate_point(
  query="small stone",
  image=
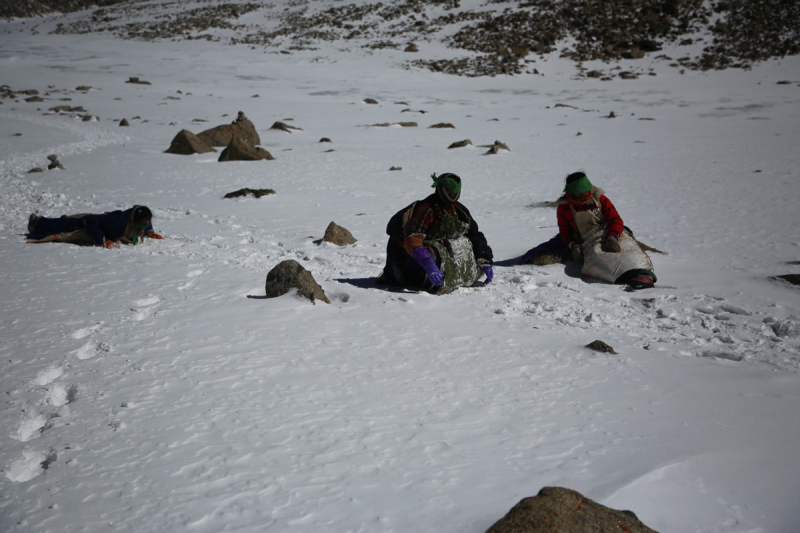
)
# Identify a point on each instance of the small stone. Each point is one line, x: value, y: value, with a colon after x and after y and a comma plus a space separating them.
x: 460, y: 144
x: 396, y: 168
x: 442, y: 125
x: 600, y: 346
x: 124, y: 122
x: 290, y: 274
x: 52, y: 157
x: 325, y: 140
x: 338, y: 235
x: 36, y: 169
x: 370, y: 101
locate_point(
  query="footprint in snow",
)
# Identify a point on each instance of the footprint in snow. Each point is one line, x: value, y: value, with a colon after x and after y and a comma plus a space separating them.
x: 60, y: 395
x: 191, y: 275
x: 91, y: 349
x: 31, y: 427
x: 143, y: 308
x: 30, y: 465
x: 48, y: 375
x: 85, y: 332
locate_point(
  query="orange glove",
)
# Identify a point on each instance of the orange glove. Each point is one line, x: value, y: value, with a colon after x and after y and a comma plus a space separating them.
x: 154, y: 235
x: 110, y: 244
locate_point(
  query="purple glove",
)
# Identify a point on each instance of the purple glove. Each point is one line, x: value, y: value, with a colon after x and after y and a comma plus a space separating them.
x: 421, y: 256
x: 489, y: 274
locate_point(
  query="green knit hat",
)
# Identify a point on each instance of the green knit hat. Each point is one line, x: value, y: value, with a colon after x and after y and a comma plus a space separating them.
x: 579, y: 185
x: 449, y: 181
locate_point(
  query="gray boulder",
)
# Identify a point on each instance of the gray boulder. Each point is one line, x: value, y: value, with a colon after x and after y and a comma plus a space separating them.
x: 289, y: 275
x: 560, y: 510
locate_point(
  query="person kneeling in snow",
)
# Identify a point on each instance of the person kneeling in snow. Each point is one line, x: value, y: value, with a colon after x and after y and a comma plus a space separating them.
x: 434, y: 244
x: 108, y: 229
x: 593, y: 233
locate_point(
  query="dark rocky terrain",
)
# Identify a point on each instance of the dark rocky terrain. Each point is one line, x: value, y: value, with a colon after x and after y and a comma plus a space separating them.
x: 499, y: 37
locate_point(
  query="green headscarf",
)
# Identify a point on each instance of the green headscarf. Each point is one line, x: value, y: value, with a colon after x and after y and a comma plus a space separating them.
x: 450, y: 182
x: 578, y: 186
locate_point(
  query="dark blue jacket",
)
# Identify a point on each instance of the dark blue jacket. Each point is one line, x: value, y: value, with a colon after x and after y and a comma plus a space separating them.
x: 100, y: 228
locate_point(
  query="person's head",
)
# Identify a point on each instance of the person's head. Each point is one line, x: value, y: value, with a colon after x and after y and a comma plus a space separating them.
x: 448, y: 186
x: 578, y: 188
x: 142, y: 216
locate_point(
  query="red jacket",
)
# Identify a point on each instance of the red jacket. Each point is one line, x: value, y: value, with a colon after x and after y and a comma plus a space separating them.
x: 566, y: 223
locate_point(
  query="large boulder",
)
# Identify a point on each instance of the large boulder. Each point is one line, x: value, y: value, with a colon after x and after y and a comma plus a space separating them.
x: 338, y: 235
x: 187, y: 143
x: 239, y: 150
x: 560, y: 510
x: 222, y: 135
x: 289, y: 275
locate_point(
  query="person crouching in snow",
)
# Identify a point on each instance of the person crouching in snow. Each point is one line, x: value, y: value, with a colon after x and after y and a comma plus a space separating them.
x: 108, y: 229
x: 434, y: 244
x: 592, y: 230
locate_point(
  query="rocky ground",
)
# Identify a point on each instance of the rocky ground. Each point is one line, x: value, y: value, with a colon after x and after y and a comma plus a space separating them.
x: 497, y: 37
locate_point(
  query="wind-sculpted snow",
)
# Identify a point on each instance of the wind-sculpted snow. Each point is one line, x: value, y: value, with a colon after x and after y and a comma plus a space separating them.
x: 154, y: 388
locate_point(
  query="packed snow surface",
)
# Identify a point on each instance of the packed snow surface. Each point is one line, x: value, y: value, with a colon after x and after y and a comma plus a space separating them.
x: 153, y: 388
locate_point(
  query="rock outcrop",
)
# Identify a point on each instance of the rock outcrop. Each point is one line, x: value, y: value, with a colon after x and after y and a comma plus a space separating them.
x: 222, y: 135
x: 239, y: 150
x: 560, y: 510
x: 187, y: 143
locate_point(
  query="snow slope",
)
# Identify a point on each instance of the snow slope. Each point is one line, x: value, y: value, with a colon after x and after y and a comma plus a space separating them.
x: 153, y: 388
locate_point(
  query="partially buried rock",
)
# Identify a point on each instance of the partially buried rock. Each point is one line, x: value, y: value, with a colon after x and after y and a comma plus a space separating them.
x: 187, y: 143
x: 239, y: 150
x: 325, y: 140
x: 35, y: 169
x: 124, y: 122
x: 290, y: 274
x: 258, y: 193
x: 561, y: 510
x: 284, y: 127
x: 370, y: 101
x: 338, y: 235
x: 34, y: 99
x: 460, y: 144
x: 442, y: 125
x: 600, y: 346
x: 137, y: 81
x: 222, y: 135
x: 496, y: 147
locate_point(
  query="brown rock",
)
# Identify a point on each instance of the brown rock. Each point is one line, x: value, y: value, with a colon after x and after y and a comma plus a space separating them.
x: 411, y: 48
x: 460, y: 144
x: 258, y: 193
x: 370, y: 101
x: 124, y: 122
x: 239, y: 150
x: 35, y: 169
x: 138, y: 81
x: 290, y: 274
x: 396, y: 168
x: 34, y: 99
x: 83, y: 88
x: 187, y: 143
x: 560, y: 510
x: 222, y: 135
x: 600, y: 346
x: 284, y: 127
x: 443, y: 125
x: 338, y: 235
x: 325, y: 140
x: 496, y: 147
x: 407, y: 124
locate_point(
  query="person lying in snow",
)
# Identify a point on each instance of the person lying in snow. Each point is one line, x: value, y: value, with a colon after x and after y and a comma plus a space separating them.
x: 108, y: 229
x: 592, y: 232
x: 434, y: 244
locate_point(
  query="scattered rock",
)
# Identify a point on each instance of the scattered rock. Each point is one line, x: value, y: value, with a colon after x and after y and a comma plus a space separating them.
x: 284, y: 127
x: 325, y: 140
x: 29, y: 92
x: 600, y: 346
x: 240, y: 150
x: 34, y: 99
x: 138, y: 81
x: 258, y: 193
x: 187, y: 143
x: 370, y: 101
x: 442, y: 125
x: 396, y: 168
x: 36, y: 169
x: 561, y: 510
x: 290, y: 274
x: 407, y: 124
x: 628, y: 75
x: 124, y: 122
x: 411, y: 48
x: 83, y: 88
x: 496, y: 147
x: 52, y: 157
x: 565, y: 105
x: 460, y: 144
x: 794, y: 279
x: 222, y: 135
x: 594, y: 74
x: 338, y: 235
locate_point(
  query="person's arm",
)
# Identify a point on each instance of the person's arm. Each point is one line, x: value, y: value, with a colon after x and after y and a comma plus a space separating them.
x: 615, y: 224
x: 481, y: 248
x: 421, y: 220
x: 564, y: 216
